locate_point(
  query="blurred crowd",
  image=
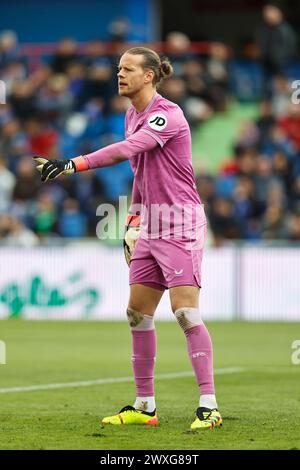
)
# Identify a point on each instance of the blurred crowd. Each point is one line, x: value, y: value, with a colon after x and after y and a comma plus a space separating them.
x: 68, y: 106
x: 256, y: 194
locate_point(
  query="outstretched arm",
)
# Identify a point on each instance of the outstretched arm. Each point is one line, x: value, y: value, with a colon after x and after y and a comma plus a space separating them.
x: 115, y: 153
x: 111, y: 155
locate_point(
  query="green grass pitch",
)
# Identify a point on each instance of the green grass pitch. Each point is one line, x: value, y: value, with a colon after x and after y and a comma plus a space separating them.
x: 260, y: 404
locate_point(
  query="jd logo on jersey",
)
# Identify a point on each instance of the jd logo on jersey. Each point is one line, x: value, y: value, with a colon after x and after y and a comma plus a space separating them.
x: 158, y: 122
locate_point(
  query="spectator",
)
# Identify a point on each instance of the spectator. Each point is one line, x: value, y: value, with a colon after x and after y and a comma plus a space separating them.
x: 72, y: 222
x: 276, y: 41
x: 13, y: 71
x: 100, y: 82
x: 276, y: 195
x: 174, y: 89
x: 45, y: 214
x: 294, y: 202
x: 14, y: 233
x: 283, y: 170
x: 281, y: 96
x: 248, y: 137
x: 55, y: 100
x: 66, y: 52
x: 118, y: 29
x: 265, y: 122
x: 247, y: 162
x: 43, y: 138
x: 27, y: 183
x: 274, y: 224
x: 95, y: 54
x: 196, y: 79
x: 13, y: 143
x: 22, y: 98
x: 218, y: 71
x: 9, y: 49
x: 264, y: 178
x: 206, y: 188
x: 76, y: 74
x: 247, y: 208
x: 223, y: 222
x: 178, y: 50
x: 199, y: 100
x: 294, y: 227
x: 116, y: 119
x: 94, y: 113
x: 290, y: 125
x: 279, y: 140
x: 196, y: 109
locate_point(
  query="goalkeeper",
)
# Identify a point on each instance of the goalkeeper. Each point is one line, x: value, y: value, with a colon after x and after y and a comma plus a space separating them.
x: 167, y: 254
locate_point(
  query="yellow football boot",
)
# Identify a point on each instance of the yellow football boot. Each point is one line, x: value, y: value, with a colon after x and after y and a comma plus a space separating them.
x: 207, y: 419
x: 129, y: 415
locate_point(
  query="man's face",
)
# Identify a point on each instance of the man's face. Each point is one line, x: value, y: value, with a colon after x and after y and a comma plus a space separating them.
x: 272, y: 15
x: 131, y: 76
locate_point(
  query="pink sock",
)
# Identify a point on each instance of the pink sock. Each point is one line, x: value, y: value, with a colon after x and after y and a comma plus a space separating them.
x: 143, y: 360
x: 201, y: 355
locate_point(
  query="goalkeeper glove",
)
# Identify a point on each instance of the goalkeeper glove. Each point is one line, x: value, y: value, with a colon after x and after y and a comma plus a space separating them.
x: 51, y: 169
x: 132, y: 233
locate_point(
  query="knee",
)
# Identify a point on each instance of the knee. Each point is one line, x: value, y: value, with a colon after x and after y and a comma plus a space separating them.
x: 139, y: 321
x: 188, y: 317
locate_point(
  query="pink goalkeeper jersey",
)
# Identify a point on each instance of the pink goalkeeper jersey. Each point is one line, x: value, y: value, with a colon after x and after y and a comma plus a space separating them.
x: 164, y: 175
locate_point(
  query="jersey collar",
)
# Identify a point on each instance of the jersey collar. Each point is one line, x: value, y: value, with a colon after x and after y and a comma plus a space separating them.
x: 149, y: 105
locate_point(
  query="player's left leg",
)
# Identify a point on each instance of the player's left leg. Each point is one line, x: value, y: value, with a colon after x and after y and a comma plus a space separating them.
x: 184, y: 302
x: 141, y: 308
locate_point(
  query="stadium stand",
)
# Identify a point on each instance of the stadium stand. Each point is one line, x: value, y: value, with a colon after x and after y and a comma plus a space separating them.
x: 246, y: 145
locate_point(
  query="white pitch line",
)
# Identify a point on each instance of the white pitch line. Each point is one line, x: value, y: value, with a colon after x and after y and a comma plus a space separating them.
x: 113, y: 380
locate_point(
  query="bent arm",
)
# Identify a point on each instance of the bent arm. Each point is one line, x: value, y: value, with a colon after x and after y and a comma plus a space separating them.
x: 116, y: 153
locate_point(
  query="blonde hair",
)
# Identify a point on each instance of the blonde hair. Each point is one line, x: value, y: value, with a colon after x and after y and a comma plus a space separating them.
x: 161, y: 68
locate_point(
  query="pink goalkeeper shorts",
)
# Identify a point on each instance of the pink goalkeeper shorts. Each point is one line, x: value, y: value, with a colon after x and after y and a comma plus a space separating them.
x: 165, y: 263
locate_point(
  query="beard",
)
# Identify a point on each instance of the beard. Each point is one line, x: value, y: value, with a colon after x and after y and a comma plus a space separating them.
x: 125, y: 93
x: 129, y: 93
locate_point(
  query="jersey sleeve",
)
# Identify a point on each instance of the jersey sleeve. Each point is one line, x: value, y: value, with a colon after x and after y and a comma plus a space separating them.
x: 163, y: 124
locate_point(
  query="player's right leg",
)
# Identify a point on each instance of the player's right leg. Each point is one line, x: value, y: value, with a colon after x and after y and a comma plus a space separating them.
x: 145, y: 294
